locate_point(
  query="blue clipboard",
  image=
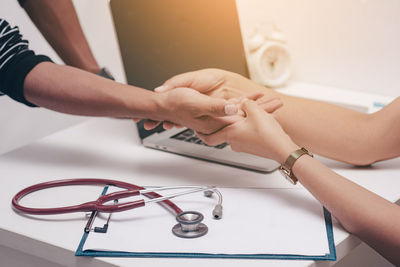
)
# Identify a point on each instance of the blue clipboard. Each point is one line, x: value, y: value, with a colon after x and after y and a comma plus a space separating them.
x: 331, y: 256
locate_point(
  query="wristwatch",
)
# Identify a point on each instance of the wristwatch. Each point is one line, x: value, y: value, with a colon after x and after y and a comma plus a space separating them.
x: 286, y: 168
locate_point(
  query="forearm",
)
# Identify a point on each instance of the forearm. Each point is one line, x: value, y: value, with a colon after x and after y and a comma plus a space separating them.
x: 361, y: 212
x: 326, y: 129
x: 59, y: 24
x: 330, y: 130
x: 73, y: 91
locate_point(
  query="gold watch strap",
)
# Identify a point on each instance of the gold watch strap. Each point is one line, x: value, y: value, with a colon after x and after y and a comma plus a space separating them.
x: 286, y: 167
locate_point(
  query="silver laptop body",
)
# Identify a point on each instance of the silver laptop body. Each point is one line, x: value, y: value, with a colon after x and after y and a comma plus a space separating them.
x: 162, y: 38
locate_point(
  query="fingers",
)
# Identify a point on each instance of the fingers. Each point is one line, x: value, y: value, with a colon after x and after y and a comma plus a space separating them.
x: 241, y: 99
x: 238, y: 102
x: 217, y: 107
x: 209, y: 125
x: 163, y: 88
x: 230, y: 109
x: 136, y: 119
x: 270, y: 104
x: 226, y: 93
x: 150, y: 124
x: 216, y: 138
x: 261, y: 100
x: 181, y: 80
x: 255, y: 96
x: 204, y: 81
x: 167, y: 125
x: 252, y: 109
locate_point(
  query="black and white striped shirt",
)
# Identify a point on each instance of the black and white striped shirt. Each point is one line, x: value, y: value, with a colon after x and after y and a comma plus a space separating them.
x: 16, y: 61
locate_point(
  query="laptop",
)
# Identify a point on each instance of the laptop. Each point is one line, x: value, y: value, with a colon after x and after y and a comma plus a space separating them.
x: 162, y: 38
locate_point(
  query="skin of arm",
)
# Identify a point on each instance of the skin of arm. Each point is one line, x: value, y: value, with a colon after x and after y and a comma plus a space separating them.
x: 74, y: 91
x: 361, y: 212
x: 59, y: 24
x: 328, y: 130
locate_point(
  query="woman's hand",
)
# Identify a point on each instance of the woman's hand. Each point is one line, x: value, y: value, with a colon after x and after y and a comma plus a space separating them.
x: 258, y: 133
x: 232, y: 106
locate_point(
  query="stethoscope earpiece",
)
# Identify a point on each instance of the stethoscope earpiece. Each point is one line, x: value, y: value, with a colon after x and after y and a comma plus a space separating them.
x: 217, y: 211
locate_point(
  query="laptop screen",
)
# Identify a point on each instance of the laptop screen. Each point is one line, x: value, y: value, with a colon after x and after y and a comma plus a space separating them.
x: 162, y: 38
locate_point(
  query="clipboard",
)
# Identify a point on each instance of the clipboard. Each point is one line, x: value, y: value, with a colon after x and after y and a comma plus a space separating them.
x: 105, y: 249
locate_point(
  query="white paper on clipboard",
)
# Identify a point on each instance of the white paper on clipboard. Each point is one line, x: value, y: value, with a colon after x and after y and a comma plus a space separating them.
x: 255, y: 221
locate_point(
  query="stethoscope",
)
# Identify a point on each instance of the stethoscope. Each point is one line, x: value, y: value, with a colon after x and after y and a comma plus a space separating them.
x: 189, y: 222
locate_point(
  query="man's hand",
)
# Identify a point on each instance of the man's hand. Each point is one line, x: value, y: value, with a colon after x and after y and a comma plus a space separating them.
x: 214, y: 82
x: 184, y: 106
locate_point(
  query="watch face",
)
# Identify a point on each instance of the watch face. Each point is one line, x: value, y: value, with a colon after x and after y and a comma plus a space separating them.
x: 275, y: 64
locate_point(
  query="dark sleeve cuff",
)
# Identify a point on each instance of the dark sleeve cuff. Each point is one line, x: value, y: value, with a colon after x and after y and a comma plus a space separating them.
x: 16, y: 74
x: 21, y: 2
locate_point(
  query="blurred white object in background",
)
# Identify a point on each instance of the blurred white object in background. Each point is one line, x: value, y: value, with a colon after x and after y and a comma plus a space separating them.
x: 351, y: 44
x: 268, y: 57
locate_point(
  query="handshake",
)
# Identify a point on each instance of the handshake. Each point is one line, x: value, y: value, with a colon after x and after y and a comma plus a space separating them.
x: 222, y: 107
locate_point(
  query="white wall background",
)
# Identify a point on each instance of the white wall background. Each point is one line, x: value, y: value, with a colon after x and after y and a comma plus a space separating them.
x: 345, y: 43
x: 20, y: 125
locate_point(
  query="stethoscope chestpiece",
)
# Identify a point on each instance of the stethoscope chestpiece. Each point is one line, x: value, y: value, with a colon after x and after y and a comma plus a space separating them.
x: 190, y: 225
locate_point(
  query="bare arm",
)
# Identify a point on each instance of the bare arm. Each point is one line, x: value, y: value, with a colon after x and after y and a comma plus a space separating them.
x: 341, y: 133
x: 361, y: 212
x: 74, y: 91
x: 59, y: 24
x: 370, y: 217
x: 34, y: 79
x: 326, y: 129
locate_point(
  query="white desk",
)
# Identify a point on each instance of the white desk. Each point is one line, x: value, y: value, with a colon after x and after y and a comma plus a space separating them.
x: 107, y: 148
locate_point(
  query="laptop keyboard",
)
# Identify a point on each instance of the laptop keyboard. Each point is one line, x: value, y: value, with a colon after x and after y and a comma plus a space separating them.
x: 189, y: 136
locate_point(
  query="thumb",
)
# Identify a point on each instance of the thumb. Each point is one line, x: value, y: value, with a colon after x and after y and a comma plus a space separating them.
x: 251, y: 108
x: 163, y: 88
x: 219, y: 107
x: 180, y: 80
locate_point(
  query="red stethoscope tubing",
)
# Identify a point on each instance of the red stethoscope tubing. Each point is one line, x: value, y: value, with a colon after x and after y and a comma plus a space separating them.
x: 97, y: 205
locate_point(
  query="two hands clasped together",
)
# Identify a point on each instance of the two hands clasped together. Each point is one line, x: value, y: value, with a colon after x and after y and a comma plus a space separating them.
x: 220, y: 112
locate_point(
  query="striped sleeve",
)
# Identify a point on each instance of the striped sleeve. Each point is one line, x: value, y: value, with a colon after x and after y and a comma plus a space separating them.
x: 16, y: 61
